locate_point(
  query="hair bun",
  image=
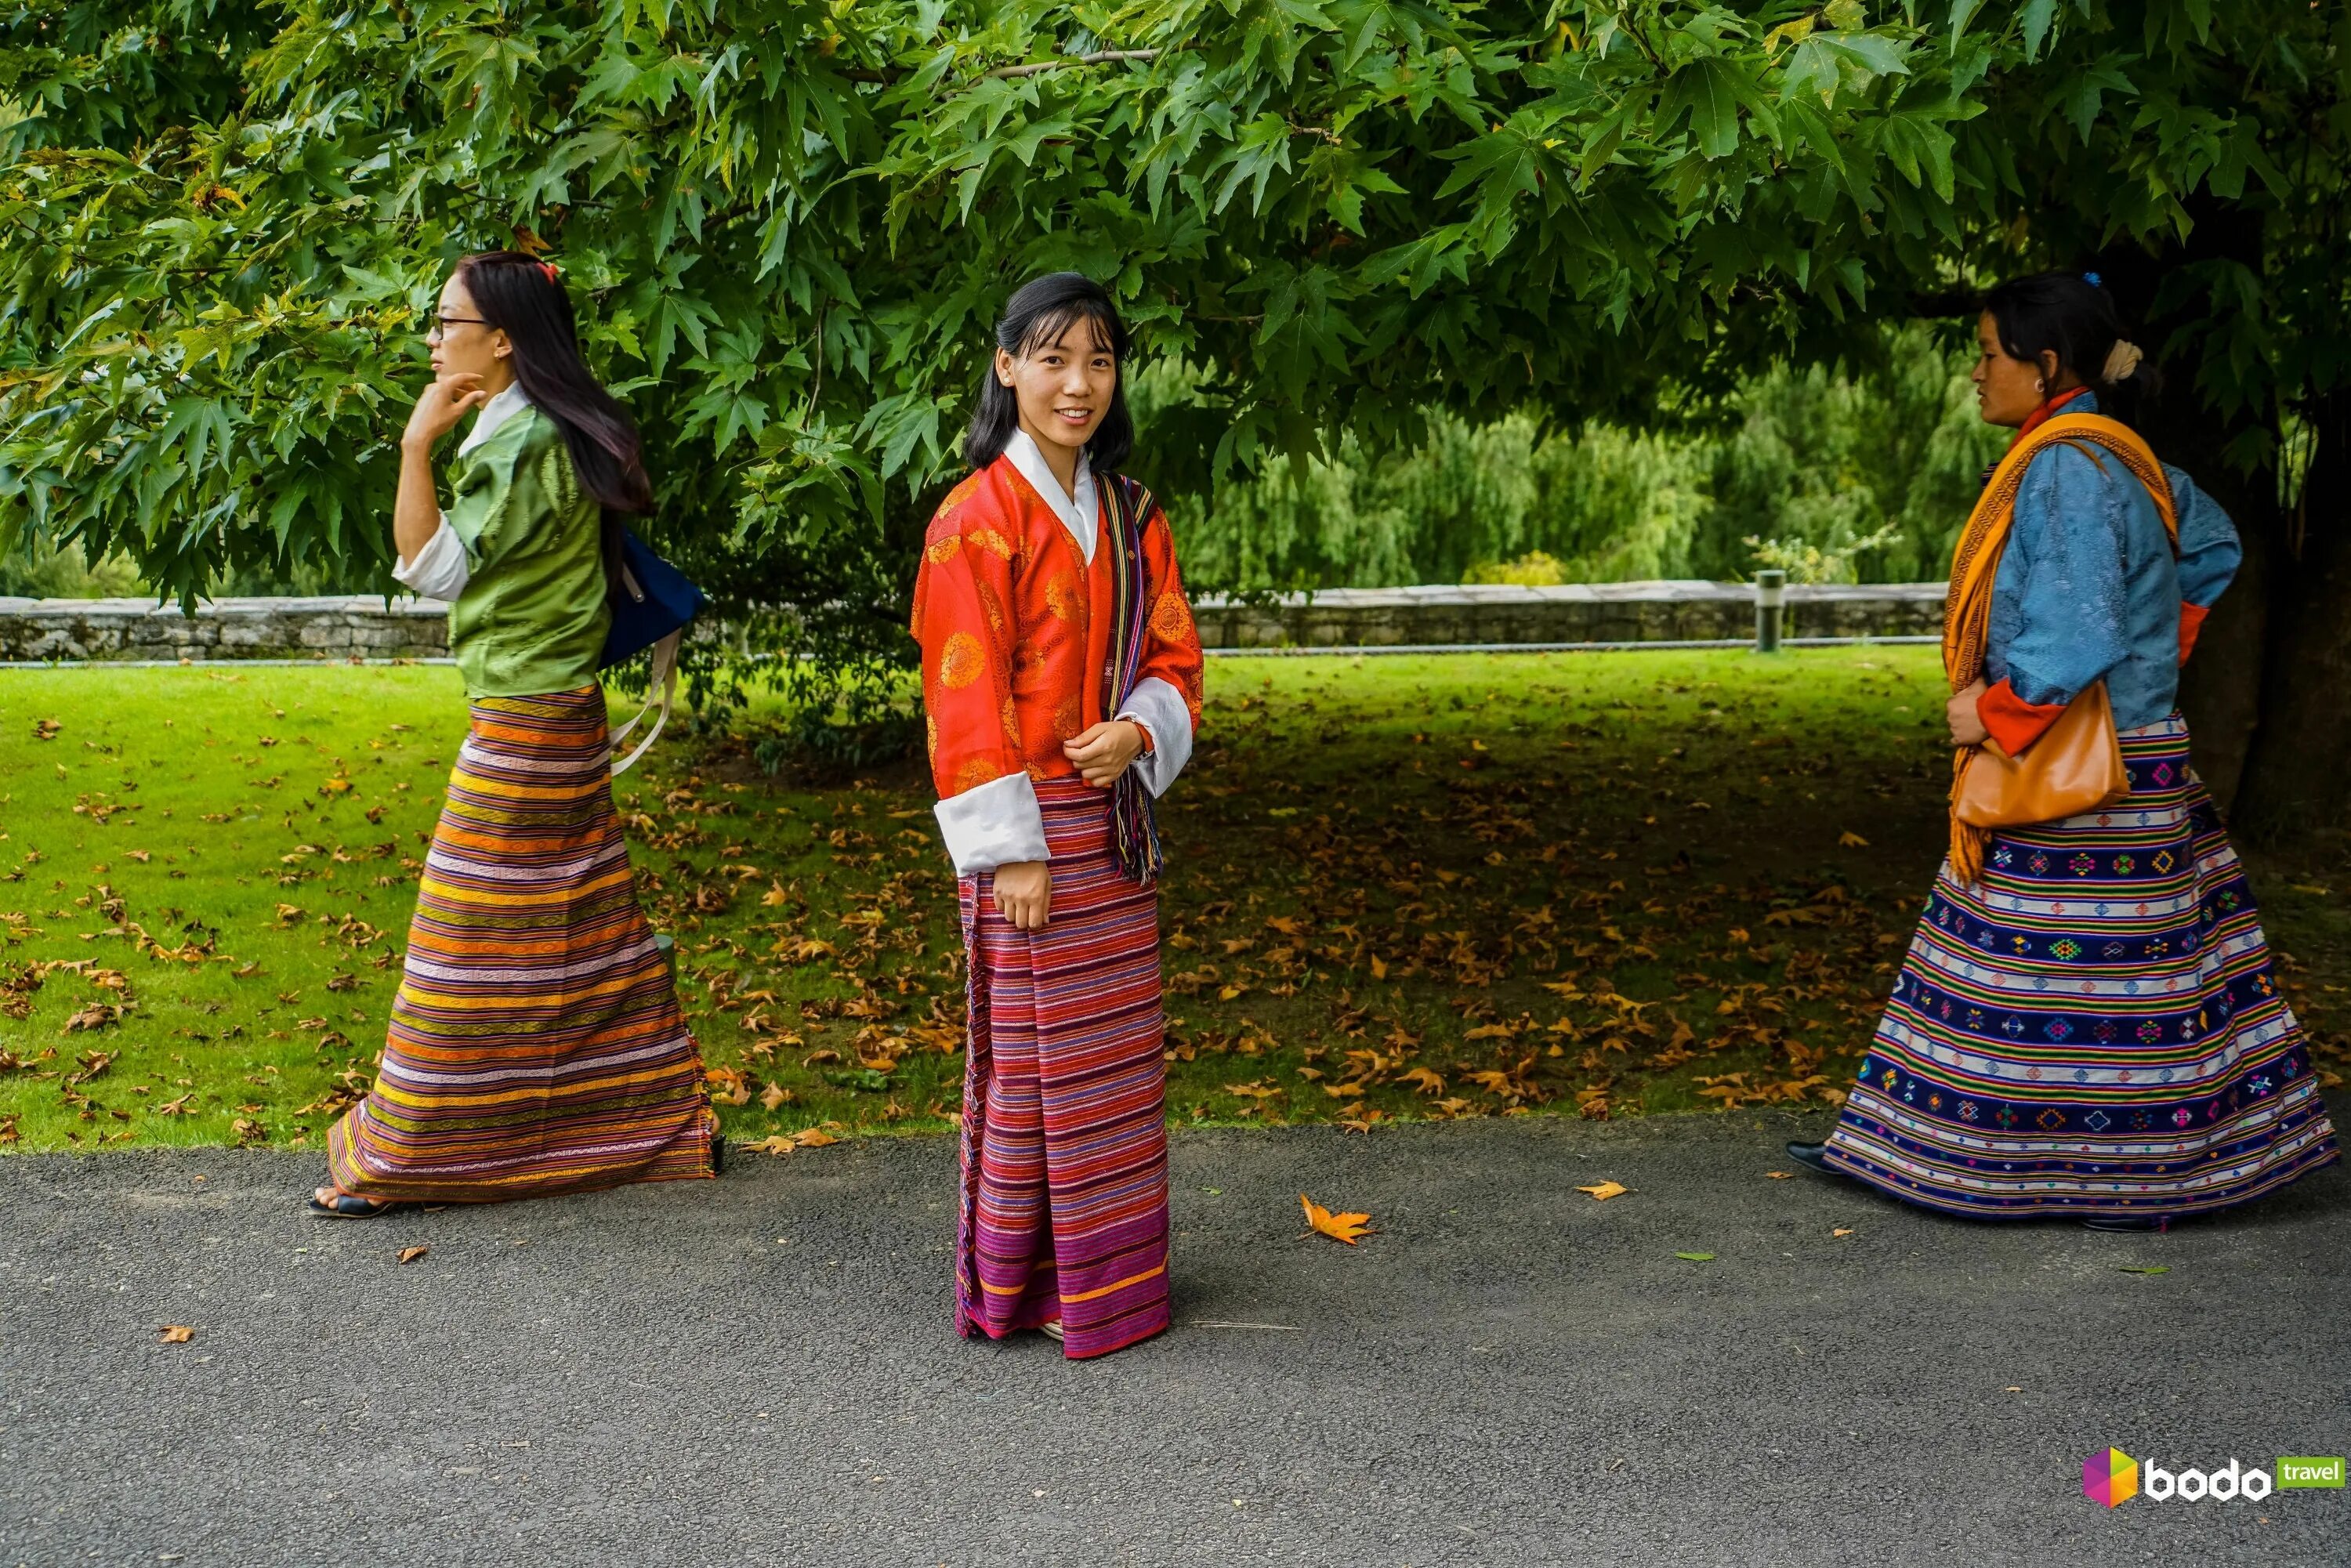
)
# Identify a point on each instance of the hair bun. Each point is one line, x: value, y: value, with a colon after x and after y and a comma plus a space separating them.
x: 2122, y: 362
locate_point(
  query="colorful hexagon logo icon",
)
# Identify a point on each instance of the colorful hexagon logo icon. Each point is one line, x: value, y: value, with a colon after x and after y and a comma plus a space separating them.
x: 2110, y: 1478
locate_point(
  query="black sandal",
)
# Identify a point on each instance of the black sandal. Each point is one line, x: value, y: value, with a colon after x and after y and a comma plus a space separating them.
x: 351, y: 1206
x: 1814, y: 1157
x: 719, y: 1154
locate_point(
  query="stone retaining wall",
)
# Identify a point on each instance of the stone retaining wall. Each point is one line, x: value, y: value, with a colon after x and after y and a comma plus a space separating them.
x: 1672, y: 612
x: 366, y: 627
x: 338, y: 628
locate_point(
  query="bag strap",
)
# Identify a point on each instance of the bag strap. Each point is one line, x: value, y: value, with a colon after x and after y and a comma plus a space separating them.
x: 661, y: 692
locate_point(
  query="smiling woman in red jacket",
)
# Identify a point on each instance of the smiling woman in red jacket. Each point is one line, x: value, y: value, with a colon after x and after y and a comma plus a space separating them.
x: 1061, y: 684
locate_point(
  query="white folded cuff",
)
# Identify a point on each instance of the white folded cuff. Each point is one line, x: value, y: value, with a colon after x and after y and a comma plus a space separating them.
x: 993, y: 824
x: 439, y: 571
x: 1159, y: 708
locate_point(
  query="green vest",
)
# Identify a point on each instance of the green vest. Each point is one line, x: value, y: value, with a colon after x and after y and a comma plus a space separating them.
x: 531, y: 618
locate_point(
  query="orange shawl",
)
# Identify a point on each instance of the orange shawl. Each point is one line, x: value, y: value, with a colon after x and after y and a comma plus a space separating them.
x: 1975, y: 563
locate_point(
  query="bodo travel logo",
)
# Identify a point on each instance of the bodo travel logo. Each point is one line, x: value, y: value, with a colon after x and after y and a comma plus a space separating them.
x: 2114, y: 1478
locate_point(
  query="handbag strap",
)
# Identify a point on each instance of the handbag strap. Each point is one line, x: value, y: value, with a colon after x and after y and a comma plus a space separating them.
x: 660, y: 693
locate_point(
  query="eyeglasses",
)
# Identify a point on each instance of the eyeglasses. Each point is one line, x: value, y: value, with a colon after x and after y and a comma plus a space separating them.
x: 437, y: 325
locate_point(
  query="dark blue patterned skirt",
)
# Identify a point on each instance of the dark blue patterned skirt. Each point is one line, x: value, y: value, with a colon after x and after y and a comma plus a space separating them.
x: 2094, y: 1030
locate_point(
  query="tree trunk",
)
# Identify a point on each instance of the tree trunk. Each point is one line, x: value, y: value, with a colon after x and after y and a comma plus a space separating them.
x: 2297, y: 777
x: 2221, y: 690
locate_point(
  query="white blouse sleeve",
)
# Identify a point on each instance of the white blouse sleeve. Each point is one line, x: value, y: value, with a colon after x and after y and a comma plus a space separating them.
x: 994, y: 824
x: 439, y: 571
x: 1159, y: 708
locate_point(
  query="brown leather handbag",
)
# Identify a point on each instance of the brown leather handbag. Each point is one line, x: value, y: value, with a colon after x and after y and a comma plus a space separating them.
x: 2076, y: 766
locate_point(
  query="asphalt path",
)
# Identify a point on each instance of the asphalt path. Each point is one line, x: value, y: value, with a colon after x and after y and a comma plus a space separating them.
x: 763, y: 1370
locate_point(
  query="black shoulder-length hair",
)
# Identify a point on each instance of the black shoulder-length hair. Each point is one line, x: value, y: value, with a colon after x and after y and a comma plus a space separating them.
x: 522, y: 296
x: 1042, y: 311
x: 2072, y: 317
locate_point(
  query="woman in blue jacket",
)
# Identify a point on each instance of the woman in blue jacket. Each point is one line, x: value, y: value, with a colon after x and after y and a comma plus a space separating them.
x: 2088, y: 1022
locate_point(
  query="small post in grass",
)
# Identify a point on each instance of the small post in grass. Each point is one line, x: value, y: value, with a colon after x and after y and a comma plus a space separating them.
x: 1770, y: 588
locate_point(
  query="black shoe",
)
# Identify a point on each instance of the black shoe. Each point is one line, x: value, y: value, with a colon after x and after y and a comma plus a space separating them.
x: 2141, y: 1223
x: 717, y: 1154
x: 1815, y: 1156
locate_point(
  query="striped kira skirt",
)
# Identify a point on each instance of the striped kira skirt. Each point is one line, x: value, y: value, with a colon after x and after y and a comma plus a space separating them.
x: 1064, y: 1167
x: 2095, y: 1029
x: 535, y: 1044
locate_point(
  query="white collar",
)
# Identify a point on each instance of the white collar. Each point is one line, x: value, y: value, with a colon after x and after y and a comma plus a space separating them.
x: 1080, y: 513
x: 500, y: 408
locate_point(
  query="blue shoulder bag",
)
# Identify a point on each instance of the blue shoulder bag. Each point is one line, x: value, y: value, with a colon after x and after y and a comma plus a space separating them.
x: 652, y: 603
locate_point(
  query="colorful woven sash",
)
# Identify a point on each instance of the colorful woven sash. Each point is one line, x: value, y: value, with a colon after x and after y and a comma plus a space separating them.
x: 1975, y: 564
x: 1133, y: 822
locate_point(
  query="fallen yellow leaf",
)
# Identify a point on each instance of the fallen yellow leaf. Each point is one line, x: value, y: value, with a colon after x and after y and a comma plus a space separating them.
x: 410, y: 1254
x: 1852, y: 842
x: 1777, y: 1176
x: 1847, y: 1232
x: 178, y: 1334
x: 1605, y: 1190
x: 1346, y: 1228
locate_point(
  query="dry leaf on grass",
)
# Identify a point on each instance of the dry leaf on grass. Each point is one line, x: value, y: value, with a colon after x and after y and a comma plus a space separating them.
x: 410, y: 1254
x: 1852, y: 842
x: 177, y: 1333
x: 1605, y: 1190
x: 785, y: 1143
x: 1346, y: 1228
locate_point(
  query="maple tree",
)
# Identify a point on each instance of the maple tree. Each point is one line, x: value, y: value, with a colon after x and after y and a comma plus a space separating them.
x: 220, y: 226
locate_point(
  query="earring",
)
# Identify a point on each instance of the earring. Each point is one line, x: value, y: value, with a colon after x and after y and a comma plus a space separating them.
x: 2039, y: 383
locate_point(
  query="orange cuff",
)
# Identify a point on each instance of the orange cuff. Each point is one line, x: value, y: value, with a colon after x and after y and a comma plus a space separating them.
x: 2192, y: 621
x: 1148, y: 745
x: 2014, y: 722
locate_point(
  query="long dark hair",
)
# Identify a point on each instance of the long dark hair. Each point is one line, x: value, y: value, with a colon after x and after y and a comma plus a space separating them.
x: 1041, y: 311
x: 2071, y: 315
x: 520, y: 296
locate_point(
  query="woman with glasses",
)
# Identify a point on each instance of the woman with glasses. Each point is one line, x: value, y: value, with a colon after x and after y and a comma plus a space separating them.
x: 535, y: 1044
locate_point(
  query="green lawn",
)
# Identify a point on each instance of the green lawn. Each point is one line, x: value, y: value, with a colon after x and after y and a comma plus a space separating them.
x: 1462, y: 887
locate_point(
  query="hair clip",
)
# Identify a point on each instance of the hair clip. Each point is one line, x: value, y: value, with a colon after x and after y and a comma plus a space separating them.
x: 2093, y: 280
x: 547, y: 268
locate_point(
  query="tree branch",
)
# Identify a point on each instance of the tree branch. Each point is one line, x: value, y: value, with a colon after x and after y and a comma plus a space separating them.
x: 1099, y: 57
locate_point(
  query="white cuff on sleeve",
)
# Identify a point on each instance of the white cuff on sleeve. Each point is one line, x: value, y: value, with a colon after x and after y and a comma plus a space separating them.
x: 1159, y: 708
x: 993, y: 824
x: 439, y: 571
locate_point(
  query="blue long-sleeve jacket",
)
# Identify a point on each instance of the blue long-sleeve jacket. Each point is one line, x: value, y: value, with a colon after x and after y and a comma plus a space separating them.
x: 2088, y: 588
